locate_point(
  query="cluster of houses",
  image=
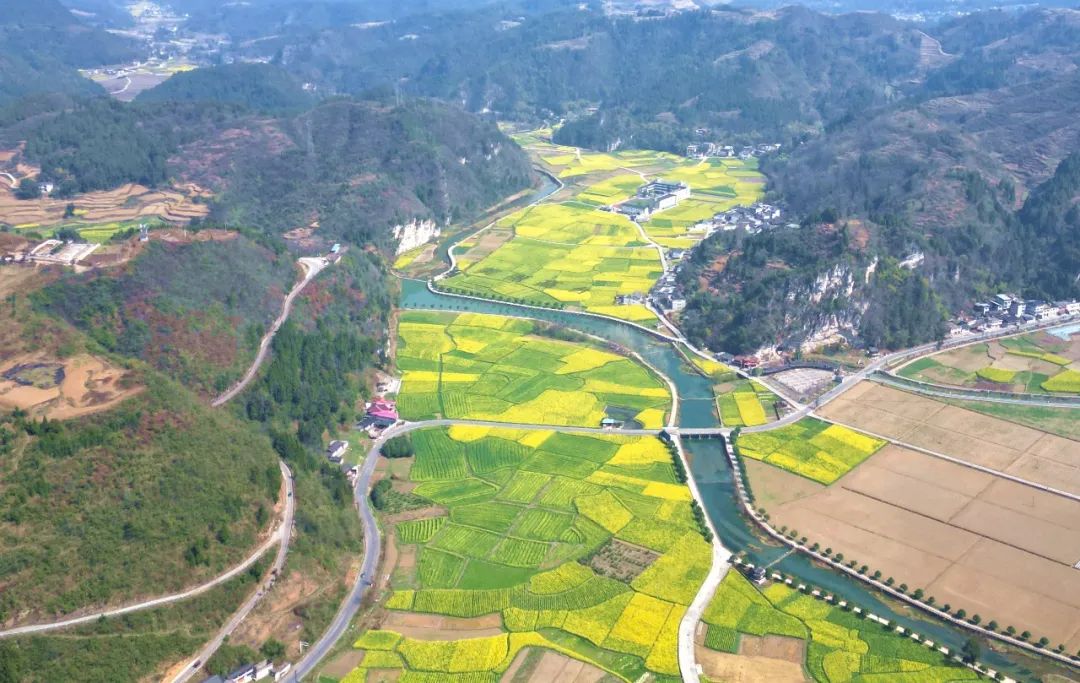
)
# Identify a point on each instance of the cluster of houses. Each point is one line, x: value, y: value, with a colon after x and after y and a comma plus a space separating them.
x: 704, y: 150
x: 381, y: 413
x: 264, y: 670
x: 1006, y: 309
x: 50, y: 251
x: 753, y: 219
x: 652, y: 197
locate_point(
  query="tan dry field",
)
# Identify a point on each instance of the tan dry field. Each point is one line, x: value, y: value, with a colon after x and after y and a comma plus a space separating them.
x: 723, y: 666
x: 972, y: 437
x: 435, y: 627
x: 90, y: 385
x: 553, y: 668
x: 127, y: 202
x: 976, y: 541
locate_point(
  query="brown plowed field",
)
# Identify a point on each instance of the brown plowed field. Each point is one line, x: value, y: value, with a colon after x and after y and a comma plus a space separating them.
x: 127, y: 202
x: 963, y: 434
x: 994, y: 547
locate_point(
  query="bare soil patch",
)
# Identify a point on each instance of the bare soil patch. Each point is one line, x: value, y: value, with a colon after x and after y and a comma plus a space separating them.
x: 774, y: 486
x: 343, y: 664
x: 979, y: 439
x: 724, y: 666
x: 419, y: 513
x: 554, y: 667
x: 87, y: 385
x: 622, y: 561
x: 773, y: 647
x: 435, y: 627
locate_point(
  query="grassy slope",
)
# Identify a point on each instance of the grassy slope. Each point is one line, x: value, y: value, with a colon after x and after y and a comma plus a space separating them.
x: 155, y: 495
x: 127, y: 648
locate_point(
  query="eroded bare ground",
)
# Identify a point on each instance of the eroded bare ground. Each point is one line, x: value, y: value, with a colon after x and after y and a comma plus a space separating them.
x: 89, y: 384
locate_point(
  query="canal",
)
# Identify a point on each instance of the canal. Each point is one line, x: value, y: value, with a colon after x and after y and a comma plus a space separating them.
x: 708, y: 459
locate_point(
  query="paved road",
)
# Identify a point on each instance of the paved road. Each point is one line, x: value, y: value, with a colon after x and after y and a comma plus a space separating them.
x: 940, y: 391
x: 312, y: 267
x: 281, y: 533
x: 285, y: 533
x: 372, y: 548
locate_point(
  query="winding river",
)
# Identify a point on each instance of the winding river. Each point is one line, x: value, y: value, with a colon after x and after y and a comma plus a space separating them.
x: 709, y: 467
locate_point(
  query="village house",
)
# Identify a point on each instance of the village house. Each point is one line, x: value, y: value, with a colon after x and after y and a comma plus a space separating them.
x: 336, y: 451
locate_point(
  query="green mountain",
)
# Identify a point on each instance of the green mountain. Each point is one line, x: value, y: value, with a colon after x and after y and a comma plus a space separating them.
x: 259, y: 87
x: 44, y: 45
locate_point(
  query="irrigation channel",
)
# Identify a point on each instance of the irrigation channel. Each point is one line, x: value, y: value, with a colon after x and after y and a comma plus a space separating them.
x: 709, y: 466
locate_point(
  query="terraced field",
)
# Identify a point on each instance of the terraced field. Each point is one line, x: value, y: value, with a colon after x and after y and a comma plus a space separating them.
x: 481, y: 367
x: 780, y: 633
x: 581, y: 545
x: 1038, y: 362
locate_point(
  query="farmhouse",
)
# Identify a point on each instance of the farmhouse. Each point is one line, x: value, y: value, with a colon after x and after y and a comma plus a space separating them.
x: 336, y: 450
x: 660, y: 189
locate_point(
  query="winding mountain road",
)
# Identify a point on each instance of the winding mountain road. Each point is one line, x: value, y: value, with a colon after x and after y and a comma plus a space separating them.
x: 281, y: 533
x: 312, y: 266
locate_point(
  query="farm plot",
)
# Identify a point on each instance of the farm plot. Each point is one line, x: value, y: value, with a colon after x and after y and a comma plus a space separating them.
x: 773, y: 635
x: 568, y: 255
x: 811, y: 448
x: 525, y: 551
x: 975, y: 541
x: 480, y: 367
x: 1037, y: 362
x: 745, y: 403
x: 999, y: 444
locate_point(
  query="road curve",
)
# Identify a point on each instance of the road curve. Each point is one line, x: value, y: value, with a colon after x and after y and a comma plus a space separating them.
x: 312, y: 267
x: 372, y: 547
x: 281, y: 533
x: 285, y: 533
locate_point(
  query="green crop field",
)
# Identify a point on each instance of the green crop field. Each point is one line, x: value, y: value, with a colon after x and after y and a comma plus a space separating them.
x: 811, y: 448
x: 841, y: 646
x: 481, y: 367
x: 745, y: 403
x: 525, y: 548
x: 1036, y: 362
x: 572, y: 254
x: 565, y: 254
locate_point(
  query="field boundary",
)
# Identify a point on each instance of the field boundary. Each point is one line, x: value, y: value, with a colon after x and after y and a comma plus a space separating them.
x: 966, y: 393
x: 748, y: 508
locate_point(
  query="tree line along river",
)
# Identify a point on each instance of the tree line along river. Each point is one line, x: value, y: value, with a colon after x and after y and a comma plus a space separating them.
x: 696, y: 409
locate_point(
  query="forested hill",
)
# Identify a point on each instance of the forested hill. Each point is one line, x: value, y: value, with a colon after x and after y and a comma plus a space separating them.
x: 42, y: 45
x: 260, y: 87
x: 360, y: 167
x: 736, y: 71
x: 354, y: 167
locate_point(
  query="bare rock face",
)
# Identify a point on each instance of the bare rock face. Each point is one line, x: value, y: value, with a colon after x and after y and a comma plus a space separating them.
x: 414, y: 234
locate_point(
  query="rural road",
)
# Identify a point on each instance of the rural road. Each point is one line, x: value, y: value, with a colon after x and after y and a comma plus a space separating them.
x: 11, y: 179
x: 312, y: 267
x: 372, y: 542
x: 285, y: 534
x: 962, y: 394
x: 282, y: 533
